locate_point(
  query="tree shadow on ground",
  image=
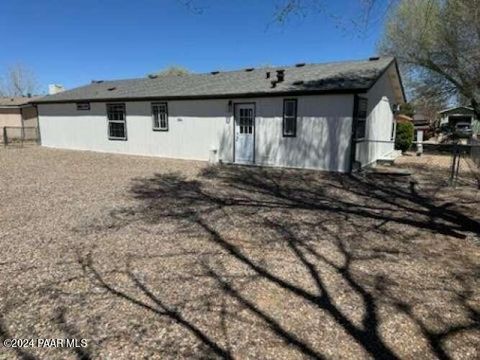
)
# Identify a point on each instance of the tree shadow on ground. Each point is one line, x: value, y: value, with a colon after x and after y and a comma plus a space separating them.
x: 324, y: 228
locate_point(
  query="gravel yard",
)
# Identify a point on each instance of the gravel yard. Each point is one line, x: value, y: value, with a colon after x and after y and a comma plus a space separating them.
x: 167, y: 259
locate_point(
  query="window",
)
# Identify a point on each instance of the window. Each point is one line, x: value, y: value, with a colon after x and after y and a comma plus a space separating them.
x: 245, y: 121
x: 290, y: 117
x: 361, y: 118
x: 117, y: 126
x: 160, y: 116
x: 394, y: 129
x: 83, y: 106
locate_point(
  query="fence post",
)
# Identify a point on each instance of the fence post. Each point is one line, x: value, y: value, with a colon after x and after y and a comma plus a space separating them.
x: 37, y: 133
x: 5, y: 139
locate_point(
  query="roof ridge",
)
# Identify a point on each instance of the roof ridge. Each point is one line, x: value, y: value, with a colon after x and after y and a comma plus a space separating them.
x: 292, y: 66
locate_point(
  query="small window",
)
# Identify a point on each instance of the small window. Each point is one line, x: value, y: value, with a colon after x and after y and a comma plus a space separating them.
x: 245, y: 121
x: 117, y: 126
x: 361, y: 116
x: 83, y: 106
x: 394, y: 129
x: 290, y: 117
x: 160, y: 116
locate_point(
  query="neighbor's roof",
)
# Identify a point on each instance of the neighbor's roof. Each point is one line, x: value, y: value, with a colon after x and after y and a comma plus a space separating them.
x: 301, y: 78
x: 17, y: 100
x: 456, y: 108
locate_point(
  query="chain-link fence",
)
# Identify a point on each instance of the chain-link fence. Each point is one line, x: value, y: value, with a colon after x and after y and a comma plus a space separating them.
x: 19, y: 136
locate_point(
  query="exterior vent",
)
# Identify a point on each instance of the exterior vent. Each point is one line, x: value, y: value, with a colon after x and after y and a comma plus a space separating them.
x: 374, y: 58
x: 280, y: 75
x: 300, y: 65
x: 299, y: 82
x: 273, y: 83
x: 249, y: 69
x: 215, y: 72
x: 267, y: 75
x: 152, y: 76
x: 112, y: 88
x: 97, y: 81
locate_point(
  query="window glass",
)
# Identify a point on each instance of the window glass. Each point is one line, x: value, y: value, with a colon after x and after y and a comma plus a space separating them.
x: 361, y: 118
x: 160, y: 116
x: 116, y: 121
x: 290, y: 117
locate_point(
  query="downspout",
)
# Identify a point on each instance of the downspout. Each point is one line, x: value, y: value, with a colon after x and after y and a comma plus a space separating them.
x: 353, y: 143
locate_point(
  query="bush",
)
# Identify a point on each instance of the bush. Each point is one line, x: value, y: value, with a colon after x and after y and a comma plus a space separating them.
x: 404, y: 136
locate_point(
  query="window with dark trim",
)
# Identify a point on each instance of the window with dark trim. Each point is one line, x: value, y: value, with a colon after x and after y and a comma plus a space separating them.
x: 117, y: 124
x: 81, y: 106
x: 394, y: 128
x: 290, y: 117
x: 160, y: 116
x: 361, y: 117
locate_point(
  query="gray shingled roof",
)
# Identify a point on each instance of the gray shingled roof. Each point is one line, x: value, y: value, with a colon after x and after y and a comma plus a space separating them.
x: 17, y: 100
x: 310, y: 78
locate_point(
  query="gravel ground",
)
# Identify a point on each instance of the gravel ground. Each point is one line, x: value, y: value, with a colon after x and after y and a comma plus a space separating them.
x: 167, y: 259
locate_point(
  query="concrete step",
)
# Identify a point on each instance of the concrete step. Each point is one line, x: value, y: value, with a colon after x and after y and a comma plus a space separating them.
x: 389, y: 159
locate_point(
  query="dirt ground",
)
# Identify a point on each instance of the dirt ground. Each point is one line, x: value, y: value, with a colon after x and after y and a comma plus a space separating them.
x: 168, y: 259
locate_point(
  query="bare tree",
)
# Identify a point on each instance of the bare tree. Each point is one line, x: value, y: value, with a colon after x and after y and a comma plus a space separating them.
x: 174, y: 70
x: 438, y: 43
x: 18, y: 80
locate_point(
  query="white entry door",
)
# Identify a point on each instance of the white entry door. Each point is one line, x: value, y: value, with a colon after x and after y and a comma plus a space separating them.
x: 244, y: 133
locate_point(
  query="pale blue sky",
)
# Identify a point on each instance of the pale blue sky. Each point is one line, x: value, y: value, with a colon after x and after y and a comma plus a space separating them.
x: 71, y: 42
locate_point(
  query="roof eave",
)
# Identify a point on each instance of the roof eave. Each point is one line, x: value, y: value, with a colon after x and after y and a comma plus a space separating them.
x: 206, y: 97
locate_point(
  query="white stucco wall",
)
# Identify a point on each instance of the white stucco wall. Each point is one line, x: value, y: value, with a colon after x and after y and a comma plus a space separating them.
x: 197, y: 126
x: 380, y: 121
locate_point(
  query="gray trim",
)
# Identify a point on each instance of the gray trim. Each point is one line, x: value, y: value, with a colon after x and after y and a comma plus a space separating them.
x: 212, y: 97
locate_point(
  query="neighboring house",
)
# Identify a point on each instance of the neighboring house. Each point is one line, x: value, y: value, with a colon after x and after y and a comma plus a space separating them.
x: 331, y: 116
x: 454, y: 115
x: 17, y: 112
x: 402, y: 118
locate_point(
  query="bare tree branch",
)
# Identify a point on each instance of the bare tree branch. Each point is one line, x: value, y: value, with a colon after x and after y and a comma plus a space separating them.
x: 19, y: 80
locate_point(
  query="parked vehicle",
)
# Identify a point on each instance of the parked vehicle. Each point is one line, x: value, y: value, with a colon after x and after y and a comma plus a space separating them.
x: 463, y: 130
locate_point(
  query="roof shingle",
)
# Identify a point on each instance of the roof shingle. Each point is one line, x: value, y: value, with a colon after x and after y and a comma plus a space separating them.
x: 17, y: 100
x: 308, y: 78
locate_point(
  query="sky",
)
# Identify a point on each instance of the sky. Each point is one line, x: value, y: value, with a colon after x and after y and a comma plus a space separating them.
x: 72, y: 42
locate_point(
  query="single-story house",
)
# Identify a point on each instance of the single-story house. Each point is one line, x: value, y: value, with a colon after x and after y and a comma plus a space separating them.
x: 333, y: 116
x: 17, y: 112
x: 454, y: 115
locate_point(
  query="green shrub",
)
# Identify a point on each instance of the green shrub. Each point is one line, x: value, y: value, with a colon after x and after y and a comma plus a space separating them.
x: 404, y: 136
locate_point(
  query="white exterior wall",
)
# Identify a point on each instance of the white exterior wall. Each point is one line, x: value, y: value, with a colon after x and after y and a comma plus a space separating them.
x: 197, y: 126
x: 380, y: 122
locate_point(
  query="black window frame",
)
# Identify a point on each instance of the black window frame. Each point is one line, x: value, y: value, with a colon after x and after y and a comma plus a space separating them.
x: 361, y: 119
x: 295, y: 117
x: 163, y: 103
x: 116, y: 121
x: 80, y: 104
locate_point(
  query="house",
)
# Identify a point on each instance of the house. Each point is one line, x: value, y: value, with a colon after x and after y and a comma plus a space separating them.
x: 454, y: 115
x: 17, y: 113
x: 332, y: 116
